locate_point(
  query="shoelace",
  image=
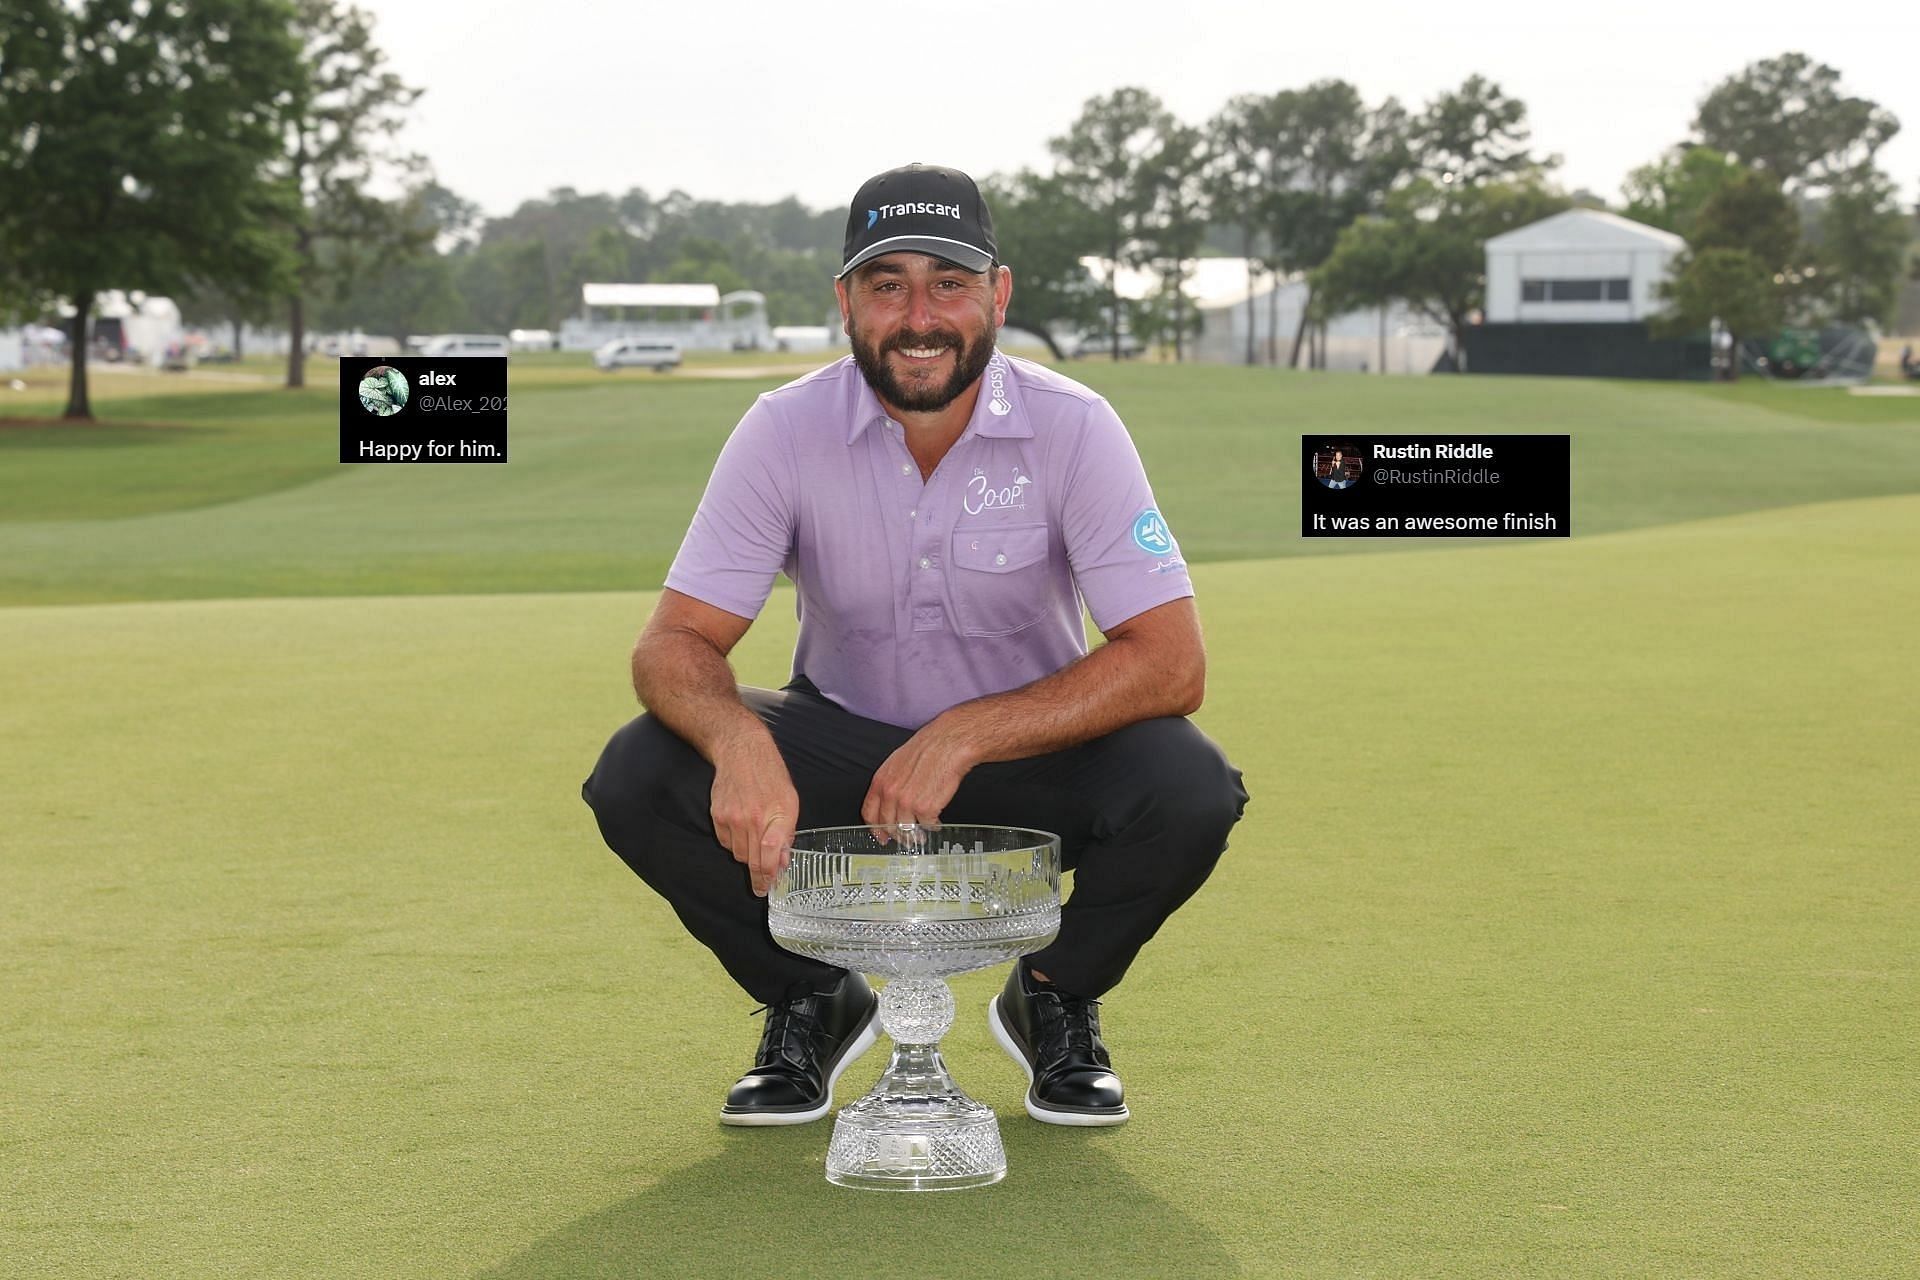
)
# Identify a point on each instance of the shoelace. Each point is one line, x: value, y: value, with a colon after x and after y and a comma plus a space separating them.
x: 1068, y: 1023
x: 790, y: 1031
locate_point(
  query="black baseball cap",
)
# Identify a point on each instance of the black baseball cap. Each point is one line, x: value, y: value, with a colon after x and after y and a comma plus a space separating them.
x: 920, y: 208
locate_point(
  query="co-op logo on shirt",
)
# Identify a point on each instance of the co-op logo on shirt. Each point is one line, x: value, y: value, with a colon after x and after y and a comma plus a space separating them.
x: 982, y: 495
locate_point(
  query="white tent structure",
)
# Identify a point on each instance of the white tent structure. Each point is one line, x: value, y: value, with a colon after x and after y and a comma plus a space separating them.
x: 1582, y: 266
x: 1397, y: 339
x: 147, y: 323
x: 697, y: 316
x: 1210, y: 283
x: 1391, y: 339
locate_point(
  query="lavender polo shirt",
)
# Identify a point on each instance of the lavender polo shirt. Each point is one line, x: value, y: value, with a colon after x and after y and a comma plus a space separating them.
x: 916, y: 596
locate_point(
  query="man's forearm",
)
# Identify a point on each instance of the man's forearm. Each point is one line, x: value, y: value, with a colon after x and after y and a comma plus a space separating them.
x: 681, y: 678
x: 1124, y: 681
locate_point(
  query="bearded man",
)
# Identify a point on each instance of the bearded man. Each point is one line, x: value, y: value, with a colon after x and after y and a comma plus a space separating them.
x: 942, y: 510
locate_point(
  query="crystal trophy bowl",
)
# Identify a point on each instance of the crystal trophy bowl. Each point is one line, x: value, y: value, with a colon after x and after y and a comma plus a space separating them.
x: 916, y: 906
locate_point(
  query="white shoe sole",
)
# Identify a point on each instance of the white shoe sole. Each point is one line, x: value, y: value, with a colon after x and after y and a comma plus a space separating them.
x: 861, y: 1043
x: 1045, y: 1115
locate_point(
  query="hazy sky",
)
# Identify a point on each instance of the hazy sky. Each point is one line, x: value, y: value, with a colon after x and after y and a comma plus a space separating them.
x: 745, y: 100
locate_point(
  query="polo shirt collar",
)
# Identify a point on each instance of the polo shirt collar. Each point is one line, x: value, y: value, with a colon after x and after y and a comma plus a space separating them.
x: 867, y: 408
x: 1012, y: 424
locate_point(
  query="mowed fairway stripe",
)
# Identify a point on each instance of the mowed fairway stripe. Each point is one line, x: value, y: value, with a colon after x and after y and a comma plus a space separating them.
x: 605, y: 474
x: 1570, y: 931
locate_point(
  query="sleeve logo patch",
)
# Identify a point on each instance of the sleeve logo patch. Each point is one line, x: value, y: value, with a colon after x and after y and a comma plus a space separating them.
x: 1150, y: 533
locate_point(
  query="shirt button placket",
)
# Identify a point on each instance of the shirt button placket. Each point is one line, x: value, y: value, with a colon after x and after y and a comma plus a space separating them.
x: 927, y: 601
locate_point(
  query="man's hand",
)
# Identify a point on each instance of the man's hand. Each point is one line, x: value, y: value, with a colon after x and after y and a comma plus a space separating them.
x: 680, y: 672
x: 918, y: 780
x: 755, y: 807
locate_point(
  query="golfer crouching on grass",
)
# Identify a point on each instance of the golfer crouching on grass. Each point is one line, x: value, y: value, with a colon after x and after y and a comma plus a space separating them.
x: 942, y: 510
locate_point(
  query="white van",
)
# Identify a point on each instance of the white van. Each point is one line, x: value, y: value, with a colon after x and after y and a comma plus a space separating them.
x: 466, y: 344
x: 657, y: 354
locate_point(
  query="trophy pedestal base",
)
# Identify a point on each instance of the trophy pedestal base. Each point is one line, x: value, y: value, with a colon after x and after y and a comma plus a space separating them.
x: 880, y: 1153
x: 916, y: 1131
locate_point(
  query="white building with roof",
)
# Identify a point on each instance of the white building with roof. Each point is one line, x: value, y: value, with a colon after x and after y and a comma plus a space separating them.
x: 1582, y: 266
x: 697, y: 316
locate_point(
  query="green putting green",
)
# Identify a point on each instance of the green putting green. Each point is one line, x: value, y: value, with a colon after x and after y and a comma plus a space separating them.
x: 1570, y: 930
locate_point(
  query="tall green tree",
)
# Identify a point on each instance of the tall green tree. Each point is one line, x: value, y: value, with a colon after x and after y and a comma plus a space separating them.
x: 208, y: 306
x: 1237, y: 183
x: 525, y: 269
x: 1476, y: 180
x: 1790, y: 116
x: 1371, y: 266
x: 1725, y: 284
x: 339, y: 147
x: 1669, y: 192
x: 1429, y: 249
x: 1476, y: 134
x: 1743, y: 265
x: 798, y: 285
x: 411, y: 293
x: 505, y: 285
x: 456, y: 219
x: 607, y: 255
x: 1174, y: 220
x: 1859, y: 244
x: 1338, y: 160
x: 135, y: 143
x: 548, y: 247
x: 704, y: 260
x: 1044, y: 232
x: 1102, y: 158
x: 1750, y: 212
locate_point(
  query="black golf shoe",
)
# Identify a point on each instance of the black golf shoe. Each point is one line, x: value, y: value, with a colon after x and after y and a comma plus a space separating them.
x: 1055, y: 1037
x: 809, y: 1040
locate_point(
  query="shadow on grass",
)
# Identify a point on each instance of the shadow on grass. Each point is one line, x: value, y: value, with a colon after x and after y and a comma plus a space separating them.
x: 763, y: 1207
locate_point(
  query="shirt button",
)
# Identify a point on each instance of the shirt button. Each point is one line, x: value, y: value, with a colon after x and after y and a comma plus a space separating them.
x: 906, y: 469
x: 1001, y: 559
x: 925, y: 563
x: 913, y: 515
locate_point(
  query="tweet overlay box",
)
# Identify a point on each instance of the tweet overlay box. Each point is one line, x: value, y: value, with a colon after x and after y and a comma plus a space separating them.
x: 423, y: 409
x: 1459, y: 486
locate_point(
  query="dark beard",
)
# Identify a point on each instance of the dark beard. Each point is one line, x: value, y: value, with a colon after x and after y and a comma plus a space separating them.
x: 921, y: 397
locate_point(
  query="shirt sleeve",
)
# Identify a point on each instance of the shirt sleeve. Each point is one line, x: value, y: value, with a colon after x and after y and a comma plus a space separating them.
x: 1125, y: 559
x: 742, y: 531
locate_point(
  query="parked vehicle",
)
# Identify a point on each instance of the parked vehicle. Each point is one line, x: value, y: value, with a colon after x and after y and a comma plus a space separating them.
x: 1094, y: 345
x: 657, y: 354
x: 466, y: 344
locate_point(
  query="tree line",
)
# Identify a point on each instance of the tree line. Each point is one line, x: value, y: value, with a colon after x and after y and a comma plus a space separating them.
x: 1787, y: 216
x: 225, y: 153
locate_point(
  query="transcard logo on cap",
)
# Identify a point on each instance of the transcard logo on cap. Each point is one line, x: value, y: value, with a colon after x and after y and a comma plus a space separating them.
x: 916, y: 206
x: 928, y: 209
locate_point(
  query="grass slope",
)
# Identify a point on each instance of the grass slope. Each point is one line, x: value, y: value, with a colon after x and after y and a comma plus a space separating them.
x: 1570, y: 932
x: 246, y: 499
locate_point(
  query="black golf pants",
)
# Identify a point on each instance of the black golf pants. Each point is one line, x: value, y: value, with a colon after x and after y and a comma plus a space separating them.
x: 1142, y: 815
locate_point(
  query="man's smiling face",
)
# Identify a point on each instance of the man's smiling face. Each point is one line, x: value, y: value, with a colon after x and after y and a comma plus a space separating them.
x: 922, y: 329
